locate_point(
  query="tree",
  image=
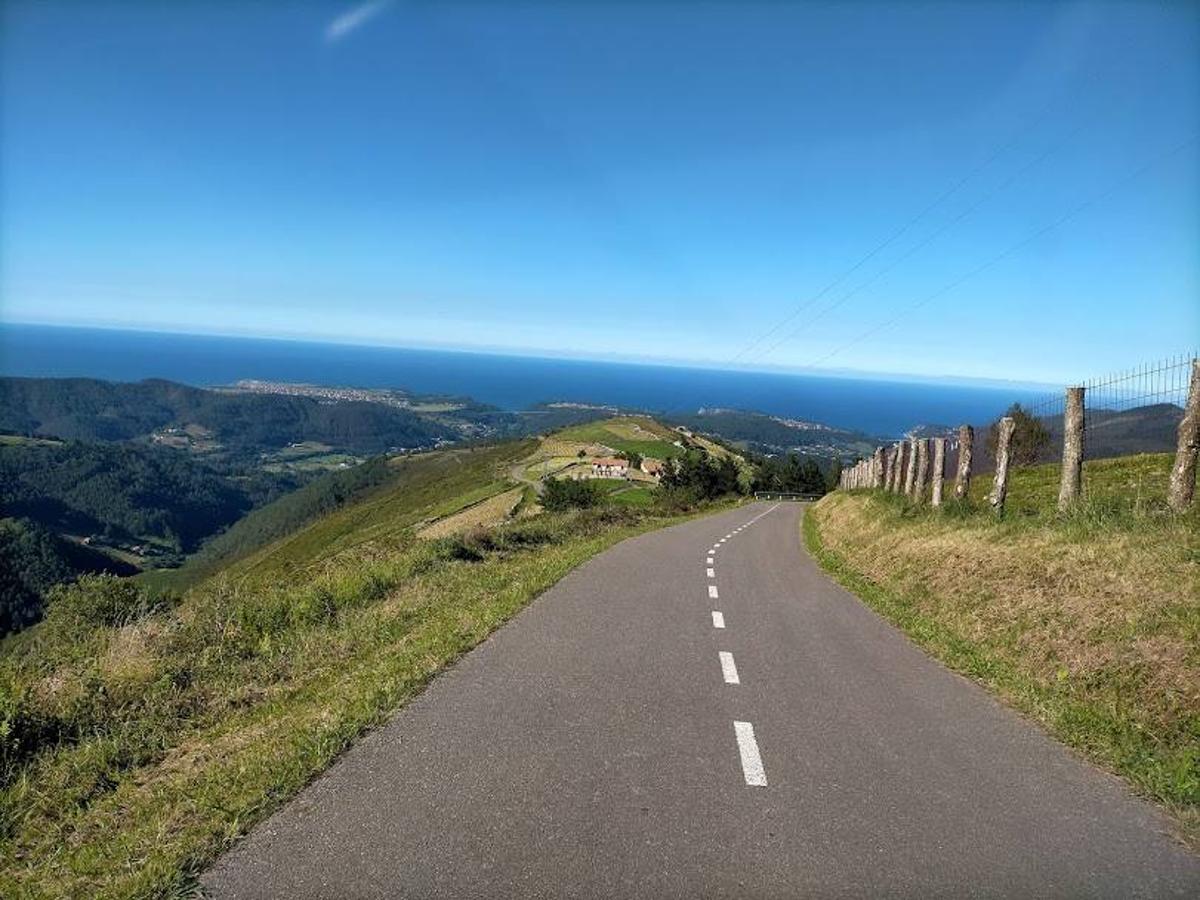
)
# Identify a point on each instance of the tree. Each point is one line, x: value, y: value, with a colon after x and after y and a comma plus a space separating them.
x: 697, y: 474
x: 791, y: 474
x: 569, y: 493
x: 835, y: 474
x: 1029, y: 441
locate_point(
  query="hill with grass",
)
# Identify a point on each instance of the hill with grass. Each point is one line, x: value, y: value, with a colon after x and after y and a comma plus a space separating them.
x: 770, y: 435
x: 145, y: 727
x: 74, y: 507
x: 91, y: 410
x: 103, y: 476
x: 1088, y: 622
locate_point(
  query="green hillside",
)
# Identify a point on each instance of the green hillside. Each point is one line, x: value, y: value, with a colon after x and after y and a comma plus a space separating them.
x: 383, y: 495
x: 1089, y: 622
x: 142, y: 732
x: 775, y: 435
x: 101, y: 507
x: 627, y: 434
x: 92, y: 410
x: 415, y: 490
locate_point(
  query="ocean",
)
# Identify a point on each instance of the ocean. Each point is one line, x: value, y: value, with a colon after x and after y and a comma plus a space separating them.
x: 885, y: 408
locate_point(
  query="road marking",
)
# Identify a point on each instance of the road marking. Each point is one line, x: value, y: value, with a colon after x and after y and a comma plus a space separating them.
x: 752, y: 766
x: 712, y: 591
x: 718, y: 619
x: 728, y: 669
x: 708, y: 560
x: 711, y: 573
x: 722, y: 540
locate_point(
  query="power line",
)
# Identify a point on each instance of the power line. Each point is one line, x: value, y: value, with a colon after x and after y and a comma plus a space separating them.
x: 1004, y: 185
x: 897, y: 234
x: 1013, y: 248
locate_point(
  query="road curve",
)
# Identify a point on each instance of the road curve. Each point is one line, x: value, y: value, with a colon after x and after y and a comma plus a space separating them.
x: 613, y: 741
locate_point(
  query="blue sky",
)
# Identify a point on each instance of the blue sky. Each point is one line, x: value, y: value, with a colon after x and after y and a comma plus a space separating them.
x: 657, y: 181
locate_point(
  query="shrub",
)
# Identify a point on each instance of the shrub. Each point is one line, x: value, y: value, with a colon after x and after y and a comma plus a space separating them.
x: 1030, y: 439
x: 100, y: 600
x: 567, y: 493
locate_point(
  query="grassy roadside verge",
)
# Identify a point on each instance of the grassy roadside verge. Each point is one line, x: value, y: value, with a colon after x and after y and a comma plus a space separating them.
x: 1089, y: 624
x: 141, y: 737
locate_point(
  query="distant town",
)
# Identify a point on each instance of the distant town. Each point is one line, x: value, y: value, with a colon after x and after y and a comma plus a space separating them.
x: 386, y: 396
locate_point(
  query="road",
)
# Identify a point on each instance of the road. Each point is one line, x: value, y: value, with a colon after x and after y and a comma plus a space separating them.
x: 700, y: 712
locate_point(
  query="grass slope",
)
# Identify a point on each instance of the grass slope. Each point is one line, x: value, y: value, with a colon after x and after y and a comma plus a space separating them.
x: 1088, y: 622
x: 422, y: 488
x: 141, y: 735
x: 392, y: 493
x: 626, y: 434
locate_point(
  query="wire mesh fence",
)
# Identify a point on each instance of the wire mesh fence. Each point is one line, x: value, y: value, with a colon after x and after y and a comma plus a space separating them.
x: 1138, y: 410
x: 1135, y: 410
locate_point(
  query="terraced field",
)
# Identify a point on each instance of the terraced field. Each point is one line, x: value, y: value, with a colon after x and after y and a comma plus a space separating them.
x: 626, y: 434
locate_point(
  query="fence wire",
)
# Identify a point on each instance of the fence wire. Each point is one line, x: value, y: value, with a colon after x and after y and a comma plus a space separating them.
x: 1137, y: 410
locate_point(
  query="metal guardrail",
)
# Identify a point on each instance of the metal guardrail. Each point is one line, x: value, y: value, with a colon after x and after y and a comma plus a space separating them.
x: 783, y: 495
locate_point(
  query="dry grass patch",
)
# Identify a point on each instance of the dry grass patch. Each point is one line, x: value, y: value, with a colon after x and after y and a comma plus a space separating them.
x: 489, y: 512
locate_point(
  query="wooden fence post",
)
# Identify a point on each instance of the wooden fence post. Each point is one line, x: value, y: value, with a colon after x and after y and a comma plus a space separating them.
x: 922, y: 469
x: 877, y: 468
x: 1000, y: 485
x: 939, y: 469
x: 1182, y: 488
x: 910, y: 474
x: 966, y: 446
x: 1072, y: 459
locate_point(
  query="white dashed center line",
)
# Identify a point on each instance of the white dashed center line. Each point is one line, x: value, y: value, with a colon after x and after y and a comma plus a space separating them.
x: 728, y: 669
x: 752, y: 766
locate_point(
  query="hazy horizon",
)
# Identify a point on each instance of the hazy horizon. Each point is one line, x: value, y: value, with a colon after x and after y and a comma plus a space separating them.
x: 542, y: 353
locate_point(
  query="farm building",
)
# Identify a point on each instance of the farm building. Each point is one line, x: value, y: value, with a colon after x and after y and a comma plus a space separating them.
x: 653, y: 467
x: 610, y: 467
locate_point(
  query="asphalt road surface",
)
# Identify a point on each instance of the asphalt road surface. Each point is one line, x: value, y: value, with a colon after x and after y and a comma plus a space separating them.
x: 699, y: 712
